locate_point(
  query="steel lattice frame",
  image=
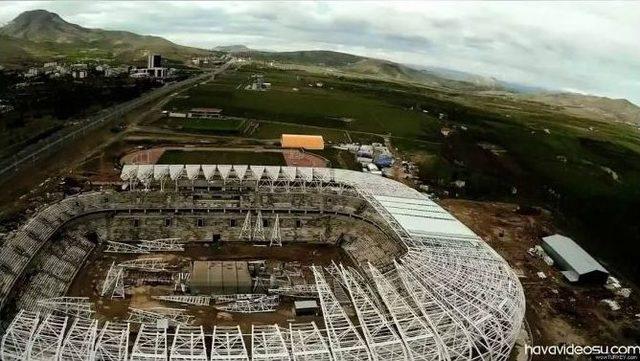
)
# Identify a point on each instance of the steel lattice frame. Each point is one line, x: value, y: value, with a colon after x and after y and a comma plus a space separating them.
x: 422, y: 343
x: 276, y: 237
x: 150, y: 344
x: 17, y: 337
x: 307, y: 343
x: 302, y: 290
x: 345, y: 341
x: 119, y: 247
x: 162, y: 245
x: 47, y: 341
x: 80, y: 339
x: 383, y: 340
x: 258, y: 229
x: 267, y: 343
x: 145, y: 264
x: 245, y: 231
x: 188, y: 344
x: 79, y: 307
x: 476, y: 290
x: 450, y: 330
x: 112, y: 343
x: 186, y: 299
x: 175, y: 316
x: 228, y: 344
x: 255, y: 305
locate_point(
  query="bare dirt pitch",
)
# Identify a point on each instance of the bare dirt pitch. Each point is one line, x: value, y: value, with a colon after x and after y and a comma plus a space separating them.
x: 557, y: 311
x: 298, y: 158
x: 144, y: 156
x: 89, y: 281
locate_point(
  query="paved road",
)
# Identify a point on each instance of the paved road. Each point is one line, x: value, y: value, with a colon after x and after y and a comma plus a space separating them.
x: 33, y: 152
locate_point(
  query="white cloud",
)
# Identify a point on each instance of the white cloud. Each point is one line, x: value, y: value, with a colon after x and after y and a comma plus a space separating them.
x: 590, y: 46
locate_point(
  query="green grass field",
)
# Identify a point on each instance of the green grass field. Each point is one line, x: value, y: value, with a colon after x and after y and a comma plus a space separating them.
x: 340, y: 103
x: 221, y: 157
x: 209, y: 126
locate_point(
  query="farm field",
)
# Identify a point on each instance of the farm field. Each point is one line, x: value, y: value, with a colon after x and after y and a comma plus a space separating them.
x: 214, y: 126
x: 340, y: 103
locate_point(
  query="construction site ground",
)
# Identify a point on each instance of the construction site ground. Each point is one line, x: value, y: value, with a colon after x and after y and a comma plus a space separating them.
x: 558, y: 312
x: 90, y: 278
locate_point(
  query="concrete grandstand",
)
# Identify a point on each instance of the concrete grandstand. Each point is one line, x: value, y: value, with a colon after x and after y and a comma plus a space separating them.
x: 420, y: 286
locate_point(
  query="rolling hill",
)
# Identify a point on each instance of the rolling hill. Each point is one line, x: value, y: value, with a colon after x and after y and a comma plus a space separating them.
x: 41, y: 35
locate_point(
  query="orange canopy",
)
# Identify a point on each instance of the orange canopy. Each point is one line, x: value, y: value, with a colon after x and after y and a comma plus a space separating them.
x: 302, y: 141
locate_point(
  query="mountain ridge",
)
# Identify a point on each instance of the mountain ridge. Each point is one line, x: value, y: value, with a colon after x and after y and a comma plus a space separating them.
x: 40, y: 35
x: 43, y: 34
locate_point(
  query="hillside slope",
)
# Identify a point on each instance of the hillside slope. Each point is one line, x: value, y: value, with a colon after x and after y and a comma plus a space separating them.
x: 590, y: 106
x: 39, y: 34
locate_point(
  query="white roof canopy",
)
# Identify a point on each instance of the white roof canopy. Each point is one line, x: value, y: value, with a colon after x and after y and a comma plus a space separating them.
x: 175, y: 171
x: 193, y: 171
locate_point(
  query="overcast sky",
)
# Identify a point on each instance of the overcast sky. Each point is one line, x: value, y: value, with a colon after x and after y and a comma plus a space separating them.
x: 586, y: 47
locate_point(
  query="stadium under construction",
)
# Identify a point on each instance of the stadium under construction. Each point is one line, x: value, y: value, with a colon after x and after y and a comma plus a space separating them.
x: 206, y: 262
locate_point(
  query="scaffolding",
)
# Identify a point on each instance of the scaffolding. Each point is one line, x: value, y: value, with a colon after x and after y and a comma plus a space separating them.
x: 267, y: 343
x: 112, y: 343
x: 188, y: 344
x: 345, y: 341
x: 307, y: 343
x: 150, y: 344
x: 276, y: 237
x: 228, y: 344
